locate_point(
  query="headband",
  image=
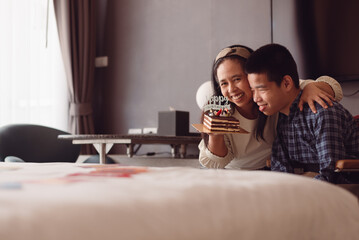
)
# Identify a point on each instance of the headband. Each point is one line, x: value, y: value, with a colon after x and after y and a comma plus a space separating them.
x: 239, y: 51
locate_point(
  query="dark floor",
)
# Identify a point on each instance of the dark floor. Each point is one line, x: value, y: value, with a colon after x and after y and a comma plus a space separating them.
x: 353, y: 188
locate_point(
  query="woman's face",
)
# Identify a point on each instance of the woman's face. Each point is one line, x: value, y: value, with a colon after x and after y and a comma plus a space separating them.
x: 234, y: 83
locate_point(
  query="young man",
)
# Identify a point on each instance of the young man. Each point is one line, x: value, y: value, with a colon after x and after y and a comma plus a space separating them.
x: 305, y: 140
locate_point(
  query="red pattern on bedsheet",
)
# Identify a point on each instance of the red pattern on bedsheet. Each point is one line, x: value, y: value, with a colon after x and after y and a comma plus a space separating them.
x: 111, y: 171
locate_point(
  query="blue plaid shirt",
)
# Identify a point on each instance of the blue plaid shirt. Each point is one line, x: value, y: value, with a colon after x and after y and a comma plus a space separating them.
x: 308, y: 138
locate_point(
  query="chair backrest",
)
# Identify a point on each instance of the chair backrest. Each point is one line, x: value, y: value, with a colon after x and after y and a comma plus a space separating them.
x: 357, y: 118
x: 36, y: 143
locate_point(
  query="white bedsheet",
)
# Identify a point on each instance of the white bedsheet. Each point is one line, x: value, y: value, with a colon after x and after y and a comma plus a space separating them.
x: 68, y: 201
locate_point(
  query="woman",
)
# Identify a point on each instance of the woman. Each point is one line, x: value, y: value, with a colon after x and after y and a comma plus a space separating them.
x: 250, y: 151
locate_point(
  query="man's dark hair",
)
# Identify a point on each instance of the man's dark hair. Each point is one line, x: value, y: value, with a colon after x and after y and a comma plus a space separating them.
x: 275, y: 61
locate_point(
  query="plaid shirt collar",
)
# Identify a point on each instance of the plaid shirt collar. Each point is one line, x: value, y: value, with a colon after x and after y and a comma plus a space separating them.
x: 293, y: 108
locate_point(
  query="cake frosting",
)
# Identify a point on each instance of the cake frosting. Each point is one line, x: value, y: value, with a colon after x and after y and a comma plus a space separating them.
x: 221, y: 123
x: 218, y: 116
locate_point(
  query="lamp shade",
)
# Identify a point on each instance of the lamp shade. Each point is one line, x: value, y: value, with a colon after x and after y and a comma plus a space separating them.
x: 204, y: 93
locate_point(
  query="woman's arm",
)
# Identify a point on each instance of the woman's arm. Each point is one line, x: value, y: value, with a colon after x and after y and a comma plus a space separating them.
x: 216, y: 145
x: 335, y: 86
x: 210, y: 159
x: 323, y: 91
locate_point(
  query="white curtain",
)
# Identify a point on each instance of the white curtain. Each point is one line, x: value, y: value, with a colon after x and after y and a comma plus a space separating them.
x: 32, y: 76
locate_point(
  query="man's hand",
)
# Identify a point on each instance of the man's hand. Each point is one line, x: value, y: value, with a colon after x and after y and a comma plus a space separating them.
x: 310, y: 174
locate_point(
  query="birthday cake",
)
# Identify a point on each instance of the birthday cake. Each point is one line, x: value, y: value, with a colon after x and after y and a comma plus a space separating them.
x: 217, y: 116
x: 220, y: 122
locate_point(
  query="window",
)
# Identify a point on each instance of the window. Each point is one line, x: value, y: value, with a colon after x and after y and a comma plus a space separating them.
x: 33, y: 85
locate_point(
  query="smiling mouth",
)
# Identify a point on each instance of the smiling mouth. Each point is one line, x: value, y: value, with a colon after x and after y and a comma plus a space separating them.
x: 237, y: 97
x: 262, y: 107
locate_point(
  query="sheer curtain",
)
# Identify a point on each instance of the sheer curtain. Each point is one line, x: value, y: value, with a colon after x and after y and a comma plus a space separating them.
x: 32, y: 75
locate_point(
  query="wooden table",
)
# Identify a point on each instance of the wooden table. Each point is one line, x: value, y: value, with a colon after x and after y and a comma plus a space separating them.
x: 104, y: 142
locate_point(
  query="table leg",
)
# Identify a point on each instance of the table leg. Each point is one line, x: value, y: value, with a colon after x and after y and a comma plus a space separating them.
x: 178, y: 150
x: 102, y: 149
x: 129, y: 150
x: 102, y: 154
x: 183, y: 150
x: 173, y: 150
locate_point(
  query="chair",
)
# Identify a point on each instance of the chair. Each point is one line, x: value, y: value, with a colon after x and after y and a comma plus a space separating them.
x: 35, y: 143
x: 96, y: 159
x: 348, y: 165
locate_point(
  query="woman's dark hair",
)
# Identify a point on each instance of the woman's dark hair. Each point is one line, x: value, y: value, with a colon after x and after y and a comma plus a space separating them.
x: 241, y: 60
x: 261, y: 123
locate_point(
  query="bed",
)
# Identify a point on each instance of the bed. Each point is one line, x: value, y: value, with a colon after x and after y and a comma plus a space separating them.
x: 41, y: 201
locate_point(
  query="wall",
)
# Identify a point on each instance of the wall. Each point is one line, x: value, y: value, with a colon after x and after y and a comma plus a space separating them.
x: 161, y: 51
x: 284, y: 32
x: 350, y: 101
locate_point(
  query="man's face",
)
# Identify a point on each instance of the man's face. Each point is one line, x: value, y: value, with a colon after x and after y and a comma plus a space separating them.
x: 268, y: 95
